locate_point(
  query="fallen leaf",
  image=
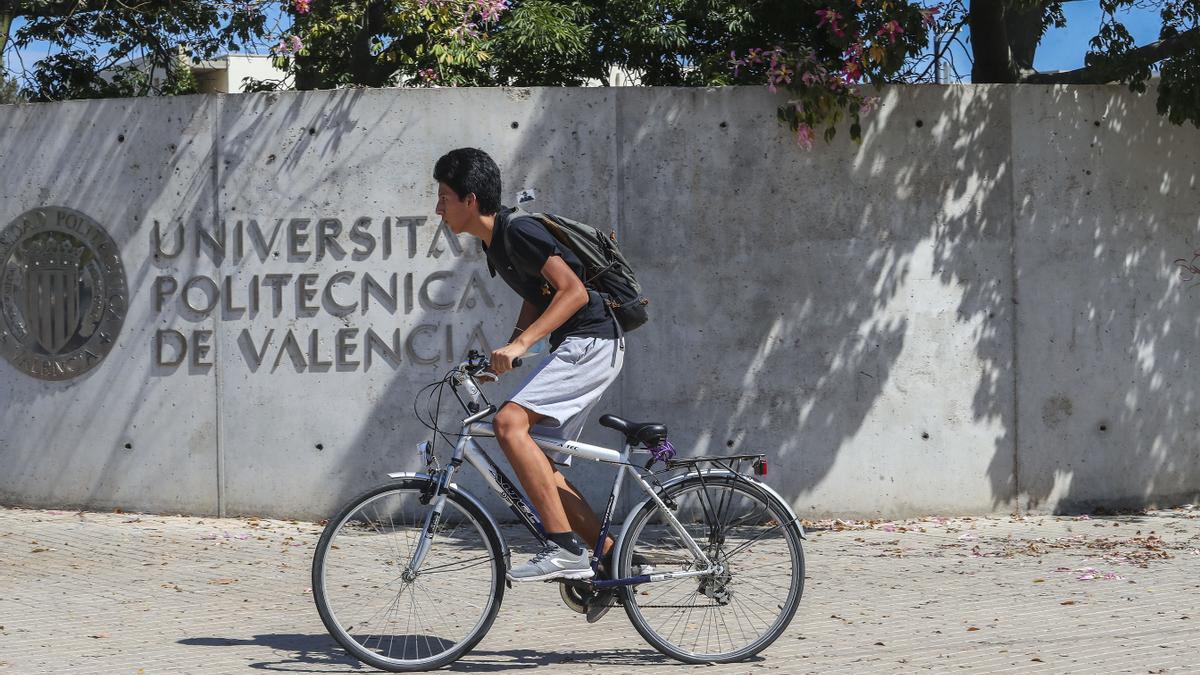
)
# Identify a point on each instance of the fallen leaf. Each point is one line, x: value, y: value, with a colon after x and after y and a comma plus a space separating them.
x: 39, y: 550
x: 1039, y: 581
x: 1067, y: 602
x: 222, y: 582
x: 972, y: 629
x: 99, y: 636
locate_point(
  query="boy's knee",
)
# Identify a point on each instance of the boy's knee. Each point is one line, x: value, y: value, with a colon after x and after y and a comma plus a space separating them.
x: 511, y: 421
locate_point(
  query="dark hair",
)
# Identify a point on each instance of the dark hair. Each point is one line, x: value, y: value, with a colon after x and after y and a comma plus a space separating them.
x: 470, y: 170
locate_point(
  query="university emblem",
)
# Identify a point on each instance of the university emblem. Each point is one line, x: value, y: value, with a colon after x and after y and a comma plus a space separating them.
x: 63, y: 296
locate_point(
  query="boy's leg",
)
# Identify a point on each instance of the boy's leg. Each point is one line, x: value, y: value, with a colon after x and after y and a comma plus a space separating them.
x: 581, y: 516
x: 534, y: 470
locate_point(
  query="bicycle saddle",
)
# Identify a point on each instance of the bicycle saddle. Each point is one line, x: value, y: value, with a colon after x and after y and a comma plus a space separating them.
x: 646, y: 433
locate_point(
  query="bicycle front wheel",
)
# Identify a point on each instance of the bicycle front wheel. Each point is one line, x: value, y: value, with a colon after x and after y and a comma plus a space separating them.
x: 729, y: 615
x: 395, y: 620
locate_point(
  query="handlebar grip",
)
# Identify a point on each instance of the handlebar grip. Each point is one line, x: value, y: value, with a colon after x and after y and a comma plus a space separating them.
x: 517, y: 362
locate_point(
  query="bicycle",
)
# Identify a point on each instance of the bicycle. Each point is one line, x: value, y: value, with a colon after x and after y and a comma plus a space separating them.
x: 409, y: 575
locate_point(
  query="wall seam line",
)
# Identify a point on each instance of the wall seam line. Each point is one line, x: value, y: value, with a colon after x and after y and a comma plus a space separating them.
x: 1015, y: 302
x: 616, y: 219
x: 217, y: 350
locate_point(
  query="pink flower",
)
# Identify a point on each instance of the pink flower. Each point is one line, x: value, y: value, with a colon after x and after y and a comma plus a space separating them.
x: 464, y: 31
x: 490, y: 10
x: 754, y: 56
x: 927, y: 15
x: 302, y: 6
x: 869, y: 105
x: 831, y: 17
x: 853, y: 71
x: 808, y: 78
x: 783, y: 75
x: 891, y: 29
x: 288, y: 44
x: 736, y: 63
x: 805, y: 136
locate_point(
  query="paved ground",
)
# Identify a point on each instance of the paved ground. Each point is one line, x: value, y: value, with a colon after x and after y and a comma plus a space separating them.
x: 123, y: 593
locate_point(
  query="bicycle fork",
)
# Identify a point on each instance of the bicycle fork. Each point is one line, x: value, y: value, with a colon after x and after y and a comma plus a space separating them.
x: 441, y: 484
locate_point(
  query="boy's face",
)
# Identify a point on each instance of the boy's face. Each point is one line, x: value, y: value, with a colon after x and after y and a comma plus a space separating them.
x: 454, y: 211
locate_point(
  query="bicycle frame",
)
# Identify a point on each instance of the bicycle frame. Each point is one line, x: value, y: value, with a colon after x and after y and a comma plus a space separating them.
x: 469, y: 450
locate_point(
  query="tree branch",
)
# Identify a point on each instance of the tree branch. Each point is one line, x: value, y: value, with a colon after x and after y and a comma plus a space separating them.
x: 949, y: 40
x: 6, y: 18
x: 1112, y: 70
x: 57, y: 9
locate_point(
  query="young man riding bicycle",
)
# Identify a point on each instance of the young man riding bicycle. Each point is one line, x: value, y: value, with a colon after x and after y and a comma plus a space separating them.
x: 586, y: 357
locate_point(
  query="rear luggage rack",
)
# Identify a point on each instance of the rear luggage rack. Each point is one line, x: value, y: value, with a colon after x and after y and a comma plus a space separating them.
x: 729, y: 462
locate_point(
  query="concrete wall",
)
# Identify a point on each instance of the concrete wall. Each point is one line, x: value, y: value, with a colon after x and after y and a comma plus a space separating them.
x: 976, y: 310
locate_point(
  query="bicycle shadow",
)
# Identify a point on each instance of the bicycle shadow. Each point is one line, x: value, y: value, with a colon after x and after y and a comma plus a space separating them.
x: 300, y: 652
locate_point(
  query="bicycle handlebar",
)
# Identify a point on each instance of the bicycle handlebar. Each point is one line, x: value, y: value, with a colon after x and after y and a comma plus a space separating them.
x: 477, y: 363
x: 464, y: 376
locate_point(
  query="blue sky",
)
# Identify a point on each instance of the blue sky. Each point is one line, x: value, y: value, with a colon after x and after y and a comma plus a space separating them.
x: 1062, y: 48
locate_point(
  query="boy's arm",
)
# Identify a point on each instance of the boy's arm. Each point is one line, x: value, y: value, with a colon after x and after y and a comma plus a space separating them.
x: 570, y: 295
x: 529, y: 314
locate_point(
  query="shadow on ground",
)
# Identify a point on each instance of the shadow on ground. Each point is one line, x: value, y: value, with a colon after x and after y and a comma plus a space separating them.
x: 302, y: 652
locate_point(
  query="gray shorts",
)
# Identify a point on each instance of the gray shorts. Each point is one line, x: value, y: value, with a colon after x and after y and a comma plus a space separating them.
x: 567, y: 384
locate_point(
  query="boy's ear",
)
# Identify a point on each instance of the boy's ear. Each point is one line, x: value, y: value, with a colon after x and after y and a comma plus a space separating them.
x: 470, y: 199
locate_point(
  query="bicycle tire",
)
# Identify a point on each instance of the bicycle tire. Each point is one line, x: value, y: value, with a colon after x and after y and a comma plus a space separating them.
x: 774, y: 533
x: 330, y: 557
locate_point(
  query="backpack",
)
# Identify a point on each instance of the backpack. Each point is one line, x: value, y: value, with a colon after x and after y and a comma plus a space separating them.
x: 604, y: 268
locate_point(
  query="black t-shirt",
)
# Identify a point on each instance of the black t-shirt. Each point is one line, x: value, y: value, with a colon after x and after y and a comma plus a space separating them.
x: 520, y: 248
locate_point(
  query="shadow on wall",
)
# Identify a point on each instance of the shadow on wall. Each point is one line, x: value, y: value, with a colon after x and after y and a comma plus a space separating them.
x: 1107, y: 200
x: 857, y: 314
x: 819, y: 327
x: 855, y: 311
x: 376, y: 150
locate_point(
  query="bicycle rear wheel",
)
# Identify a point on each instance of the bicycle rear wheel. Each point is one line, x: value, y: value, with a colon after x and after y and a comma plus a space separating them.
x: 402, y: 622
x: 731, y: 615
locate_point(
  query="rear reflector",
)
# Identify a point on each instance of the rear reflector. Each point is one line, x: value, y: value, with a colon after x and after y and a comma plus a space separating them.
x: 760, y: 467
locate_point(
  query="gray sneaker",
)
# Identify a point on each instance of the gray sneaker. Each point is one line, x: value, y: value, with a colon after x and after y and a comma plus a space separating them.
x: 553, y: 562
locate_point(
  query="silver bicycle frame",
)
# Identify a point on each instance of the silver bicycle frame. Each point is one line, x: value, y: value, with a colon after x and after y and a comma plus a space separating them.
x: 468, y: 449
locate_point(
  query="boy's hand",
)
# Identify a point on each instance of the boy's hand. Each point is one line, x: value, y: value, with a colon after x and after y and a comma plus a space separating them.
x: 502, y: 358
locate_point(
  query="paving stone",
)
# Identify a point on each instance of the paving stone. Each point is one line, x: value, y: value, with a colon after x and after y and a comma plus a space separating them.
x: 134, y: 593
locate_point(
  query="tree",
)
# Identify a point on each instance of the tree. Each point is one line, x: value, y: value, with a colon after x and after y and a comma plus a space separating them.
x: 101, y: 48
x: 10, y: 90
x: 379, y: 43
x: 1004, y: 36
